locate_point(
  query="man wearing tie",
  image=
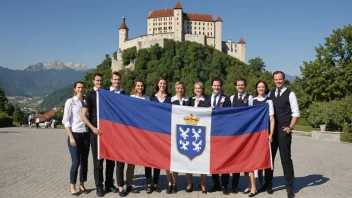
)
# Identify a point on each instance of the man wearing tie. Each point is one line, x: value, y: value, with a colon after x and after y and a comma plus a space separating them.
x: 216, y: 100
x: 241, y: 99
x: 286, y: 115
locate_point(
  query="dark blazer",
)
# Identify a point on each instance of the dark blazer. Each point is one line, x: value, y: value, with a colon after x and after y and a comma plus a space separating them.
x: 202, y: 103
x: 219, y: 103
x: 184, y: 103
x: 155, y: 99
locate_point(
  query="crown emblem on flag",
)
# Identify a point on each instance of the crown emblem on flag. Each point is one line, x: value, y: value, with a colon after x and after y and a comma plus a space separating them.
x: 191, y: 119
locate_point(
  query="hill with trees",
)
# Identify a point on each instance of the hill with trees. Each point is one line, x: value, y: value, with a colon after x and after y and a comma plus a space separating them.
x: 183, y: 61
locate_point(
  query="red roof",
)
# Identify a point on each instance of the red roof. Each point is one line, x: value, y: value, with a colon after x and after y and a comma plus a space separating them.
x: 123, y: 25
x: 199, y: 17
x: 241, y: 41
x: 178, y: 5
x: 47, y: 115
x: 218, y: 19
x: 161, y: 13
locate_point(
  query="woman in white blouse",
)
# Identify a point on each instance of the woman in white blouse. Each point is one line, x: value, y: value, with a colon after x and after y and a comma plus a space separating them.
x: 78, y: 138
x: 261, y: 98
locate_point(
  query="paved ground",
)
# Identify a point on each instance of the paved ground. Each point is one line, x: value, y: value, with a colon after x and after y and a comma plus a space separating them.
x: 35, y: 163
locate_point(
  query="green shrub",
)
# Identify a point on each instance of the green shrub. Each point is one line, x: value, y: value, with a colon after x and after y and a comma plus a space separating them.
x: 5, y: 120
x: 346, y: 137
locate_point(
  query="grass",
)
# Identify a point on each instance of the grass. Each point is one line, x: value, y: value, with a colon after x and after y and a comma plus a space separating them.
x: 346, y: 137
x: 16, y: 124
x: 303, y: 128
x: 59, y: 126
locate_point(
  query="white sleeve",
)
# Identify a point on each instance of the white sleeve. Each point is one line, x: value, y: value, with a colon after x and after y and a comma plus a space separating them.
x: 67, y: 113
x: 250, y: 100
x: 294, y: 105
x: 271, y: 107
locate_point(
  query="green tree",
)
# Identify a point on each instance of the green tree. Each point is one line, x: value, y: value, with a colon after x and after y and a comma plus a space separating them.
x: 256, y: 64
x: 18, y: 114
x: 3, y: 100
x: 329, y: 77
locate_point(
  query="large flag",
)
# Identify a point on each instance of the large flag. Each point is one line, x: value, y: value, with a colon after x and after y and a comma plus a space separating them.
x: 183, y: 139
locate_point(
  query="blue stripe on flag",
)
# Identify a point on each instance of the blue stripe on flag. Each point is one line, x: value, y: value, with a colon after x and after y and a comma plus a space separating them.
x: 134, y: 112
x: 240, y: 120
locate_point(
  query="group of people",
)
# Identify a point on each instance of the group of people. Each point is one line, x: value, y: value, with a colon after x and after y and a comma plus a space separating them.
x: 35, y: 119
x: 80, y: 120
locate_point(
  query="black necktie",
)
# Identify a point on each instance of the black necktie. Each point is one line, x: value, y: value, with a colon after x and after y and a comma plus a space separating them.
x: 214, y: 102
x: 240, y: 97
x: 278, y: 92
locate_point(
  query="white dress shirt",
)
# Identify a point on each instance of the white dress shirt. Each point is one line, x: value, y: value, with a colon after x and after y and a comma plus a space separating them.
x: 293, y: 101
x: 144, y: 97
x: 217, y: 98
x: 72, y: 115
x: 175, y: 98
x: 196, y: 102
x: 270, y: 102
x: 119, y: 91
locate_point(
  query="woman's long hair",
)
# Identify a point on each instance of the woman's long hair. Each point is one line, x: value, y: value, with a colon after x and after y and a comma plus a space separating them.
x: 134, y: 91
x: 156, y: 87
x: 266, y: 87
x: 75, y: 85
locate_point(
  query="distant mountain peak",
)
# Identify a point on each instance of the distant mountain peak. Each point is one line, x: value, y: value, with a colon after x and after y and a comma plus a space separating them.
x: 57, y: 65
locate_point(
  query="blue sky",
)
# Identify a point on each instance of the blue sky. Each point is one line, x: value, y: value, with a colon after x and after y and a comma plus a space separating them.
x: 282, y: 33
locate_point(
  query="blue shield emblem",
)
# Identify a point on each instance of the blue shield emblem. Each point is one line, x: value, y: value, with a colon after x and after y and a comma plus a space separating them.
x: 190, y: 140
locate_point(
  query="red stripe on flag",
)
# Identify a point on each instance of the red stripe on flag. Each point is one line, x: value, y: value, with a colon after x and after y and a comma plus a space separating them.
x: 132, y: 145
x: 235, y: 154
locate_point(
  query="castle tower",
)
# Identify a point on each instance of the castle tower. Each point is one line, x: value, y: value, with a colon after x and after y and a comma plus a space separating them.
x: 178, y: 22
x: 218, y: 34
x: 242, y: 50
x: 123, y: 34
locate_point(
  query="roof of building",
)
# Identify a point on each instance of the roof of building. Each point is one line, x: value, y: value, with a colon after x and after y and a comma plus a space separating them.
x: 178, y: 5
x: 218, y: 19
x: 241, y: 41
x: 123, y: 24
x: 48, y: 115
x: 198, y: 17
x: 161, y: 13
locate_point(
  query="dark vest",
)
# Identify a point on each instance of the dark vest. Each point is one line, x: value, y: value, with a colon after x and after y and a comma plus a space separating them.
x: 282, y: 107
x: 257, y: 102
x: 240, y: 103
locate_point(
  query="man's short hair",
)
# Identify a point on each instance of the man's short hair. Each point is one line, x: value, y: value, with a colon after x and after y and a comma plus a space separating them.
x: 279, y: 72
x: 115, y: 73
x: 216, y: 79
x: 97, y: 74
x: 240, y: 79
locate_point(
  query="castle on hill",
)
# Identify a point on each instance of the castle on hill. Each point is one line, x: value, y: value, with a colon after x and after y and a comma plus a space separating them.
x: 179, y: 26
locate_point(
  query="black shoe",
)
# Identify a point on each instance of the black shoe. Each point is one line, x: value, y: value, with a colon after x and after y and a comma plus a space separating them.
x: 214, y: 189
x: 130, y: 189
x: 174, y: 189
x: 189, y: 190
x: 169, y: 190
x: 156, y: 189
x: 290, y: 193
x: 203, y: 191
x: 225, y: 191
x: 111, y: 188
x: 247, y: 191
x: 270, y: 190
x: 122, y: 193
x: 100, y: 192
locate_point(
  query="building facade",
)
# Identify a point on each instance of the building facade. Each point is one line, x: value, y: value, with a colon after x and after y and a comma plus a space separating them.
x: 179, y: 26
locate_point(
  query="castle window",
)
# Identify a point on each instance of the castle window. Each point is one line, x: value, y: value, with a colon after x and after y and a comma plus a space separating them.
x: 211, y: 34
x: 203, y: 23
x: 177, y: 23
x: 176, y: 18
x: 211, y: 24
x: 187, y: 27
x: 208, y: 24
x: 235, y: 45
x: 195, y: 32
x: 231, y: 49
x: 207, y: 33
x: 235, y: 50
x: 203, y: 28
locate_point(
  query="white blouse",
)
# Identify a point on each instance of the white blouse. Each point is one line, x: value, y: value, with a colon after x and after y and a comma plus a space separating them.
x: 175, y: 98
x: 144, y: 97
x: 72, y: 115
x: 270, y: 102
x: 196, y: 102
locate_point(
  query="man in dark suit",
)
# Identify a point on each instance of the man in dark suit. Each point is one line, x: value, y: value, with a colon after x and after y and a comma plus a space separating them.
x: 90, y: 108
x: 216, y: 100
x: 240, y: 99
x: 286, y: 115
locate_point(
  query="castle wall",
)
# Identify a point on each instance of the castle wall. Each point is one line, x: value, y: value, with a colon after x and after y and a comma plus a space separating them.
x: 199, y: 27
x: 211, y: 42
x: 147, y: 38
x: 200, y: 38
x: 234, y: 49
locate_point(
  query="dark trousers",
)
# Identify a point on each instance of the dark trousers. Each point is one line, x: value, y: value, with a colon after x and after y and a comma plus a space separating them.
x: 281, y: 141
x: 224, y: 179
x: 148, y: 175
x: 98, y: 165
x: 79, y: 156
x: 235, y: 180
x: 120, y: 166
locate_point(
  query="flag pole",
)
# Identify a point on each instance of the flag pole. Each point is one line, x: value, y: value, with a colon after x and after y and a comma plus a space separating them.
x: 98, y: 142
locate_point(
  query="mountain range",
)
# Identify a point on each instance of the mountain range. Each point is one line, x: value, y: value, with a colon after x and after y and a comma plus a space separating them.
x: 41, y: 79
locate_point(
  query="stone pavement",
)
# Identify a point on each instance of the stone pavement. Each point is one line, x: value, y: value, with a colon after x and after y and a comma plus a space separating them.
x: 35, y: 163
